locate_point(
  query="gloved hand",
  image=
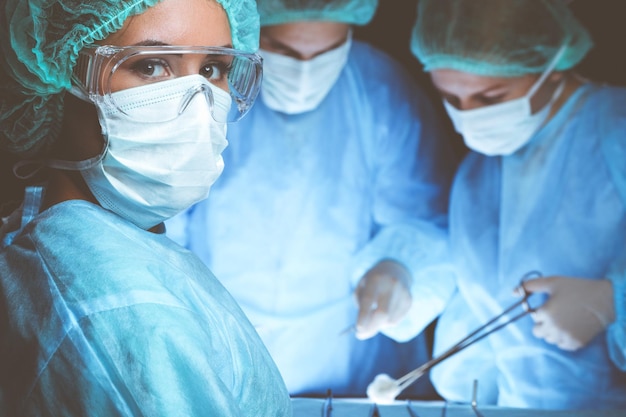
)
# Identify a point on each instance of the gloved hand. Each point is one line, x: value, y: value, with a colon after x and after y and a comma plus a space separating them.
x: 383, y: 296
x: 577, y: 310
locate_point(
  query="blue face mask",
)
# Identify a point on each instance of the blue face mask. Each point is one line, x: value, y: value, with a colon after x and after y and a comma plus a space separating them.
x: 504, y: 128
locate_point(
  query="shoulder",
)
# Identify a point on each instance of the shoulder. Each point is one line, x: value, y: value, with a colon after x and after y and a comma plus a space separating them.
x: 92, y: 251
x: 604, y: 114
x: 606, y: 105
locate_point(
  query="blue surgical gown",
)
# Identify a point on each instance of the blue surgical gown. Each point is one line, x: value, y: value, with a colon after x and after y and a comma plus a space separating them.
x: 309, y: 202
x: 101, y: 318
x: 557, y: 206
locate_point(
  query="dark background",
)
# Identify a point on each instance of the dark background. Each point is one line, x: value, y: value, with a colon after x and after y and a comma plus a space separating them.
x: 390, y: 31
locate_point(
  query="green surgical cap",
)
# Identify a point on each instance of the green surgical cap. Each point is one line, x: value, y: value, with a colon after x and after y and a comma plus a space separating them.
x: 40, y: 41
x: 498, y: 38
x: 354, y: 12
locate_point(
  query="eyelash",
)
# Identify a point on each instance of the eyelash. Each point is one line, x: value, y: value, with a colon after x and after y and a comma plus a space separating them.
x: 485, y: 100
x: 491, y: 99
x: 146, y: 67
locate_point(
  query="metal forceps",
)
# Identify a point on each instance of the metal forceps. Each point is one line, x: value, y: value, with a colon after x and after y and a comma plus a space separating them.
x: 478, y: 334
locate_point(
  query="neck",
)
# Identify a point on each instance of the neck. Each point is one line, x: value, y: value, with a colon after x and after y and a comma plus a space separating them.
x: 572, y: 83
x: 66, y: 185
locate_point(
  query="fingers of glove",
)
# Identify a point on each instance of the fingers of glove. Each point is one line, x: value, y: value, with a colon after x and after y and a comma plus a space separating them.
x: 371, y: 313
x: 570, y: 344
x: 538, y: 285
x: 556, y: 337
x: 399, y: 304
x: 569, y: 332
x: 371, y: 324
x: 541, y: 330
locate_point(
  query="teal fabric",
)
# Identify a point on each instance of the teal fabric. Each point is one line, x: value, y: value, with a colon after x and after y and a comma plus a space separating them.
x: 355, y: 12
x: 40, y: 41
x: 101, y: 318
x: 497, y: 38
x: 555, y: 206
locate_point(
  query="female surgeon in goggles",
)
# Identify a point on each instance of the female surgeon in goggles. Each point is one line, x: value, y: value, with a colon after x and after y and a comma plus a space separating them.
x: 544, y: 189
x: 125, y: 103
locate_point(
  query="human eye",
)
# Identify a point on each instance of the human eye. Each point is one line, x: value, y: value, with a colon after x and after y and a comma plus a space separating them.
x: 489, y: 100
x: 215, y: 71
x: 152, y: 69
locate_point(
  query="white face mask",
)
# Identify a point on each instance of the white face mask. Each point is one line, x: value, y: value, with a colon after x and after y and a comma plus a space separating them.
x: 504, y: 128
x: 152, y: 171
x: 293, y: 86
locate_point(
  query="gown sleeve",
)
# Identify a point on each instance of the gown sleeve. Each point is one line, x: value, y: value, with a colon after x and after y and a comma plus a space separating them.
x: 614, y: 148
x: 414, y: 165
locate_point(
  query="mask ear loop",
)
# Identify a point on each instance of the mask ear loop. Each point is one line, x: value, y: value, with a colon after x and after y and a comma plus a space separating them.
x: 547, y: 71
x: 36, y: 165
x: 79, y: 93
x: 78, y: 165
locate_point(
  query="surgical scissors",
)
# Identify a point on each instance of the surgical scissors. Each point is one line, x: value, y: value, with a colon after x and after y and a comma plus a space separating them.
x: 476, y: 335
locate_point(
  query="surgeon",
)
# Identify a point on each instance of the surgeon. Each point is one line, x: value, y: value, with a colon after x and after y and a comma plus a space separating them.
x: 336, y: 180
x: 543, y: 189
x: 125, y: 104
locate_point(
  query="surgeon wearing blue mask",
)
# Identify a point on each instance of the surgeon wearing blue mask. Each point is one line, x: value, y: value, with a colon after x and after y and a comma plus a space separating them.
x: 124, y: 107
x: 333, y: 201
x: 543, y: 188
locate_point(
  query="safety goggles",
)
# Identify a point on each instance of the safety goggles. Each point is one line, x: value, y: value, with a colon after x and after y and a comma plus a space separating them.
x: 103, y: 71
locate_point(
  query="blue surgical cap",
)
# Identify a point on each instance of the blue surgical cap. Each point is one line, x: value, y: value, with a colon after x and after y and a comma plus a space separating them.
x: 354, y: 12
x: 40, y: 41
x: 504, y: 38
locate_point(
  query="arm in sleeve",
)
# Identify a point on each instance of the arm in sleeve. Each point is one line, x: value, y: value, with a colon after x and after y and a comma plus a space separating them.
x: 414, y: 165
x: 614, y: 147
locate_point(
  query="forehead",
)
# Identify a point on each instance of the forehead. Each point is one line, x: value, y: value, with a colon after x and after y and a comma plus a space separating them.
x: 465, y: 83
x: 176, y: 22
x: 306, y: 37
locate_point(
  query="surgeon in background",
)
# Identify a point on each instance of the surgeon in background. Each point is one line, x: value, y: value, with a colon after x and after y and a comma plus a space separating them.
x: 123, y: 105
x: 336, y: 180
x: 544, y: 189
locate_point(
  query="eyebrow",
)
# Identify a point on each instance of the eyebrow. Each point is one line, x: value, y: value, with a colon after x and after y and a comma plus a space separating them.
x: 279, y: 45
x: 152, y: 42
x: 481, y: 92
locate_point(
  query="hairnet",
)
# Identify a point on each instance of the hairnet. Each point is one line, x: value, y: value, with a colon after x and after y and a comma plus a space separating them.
x: 357, y: 12
x: 40, y: 41
x: 497, y: 38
